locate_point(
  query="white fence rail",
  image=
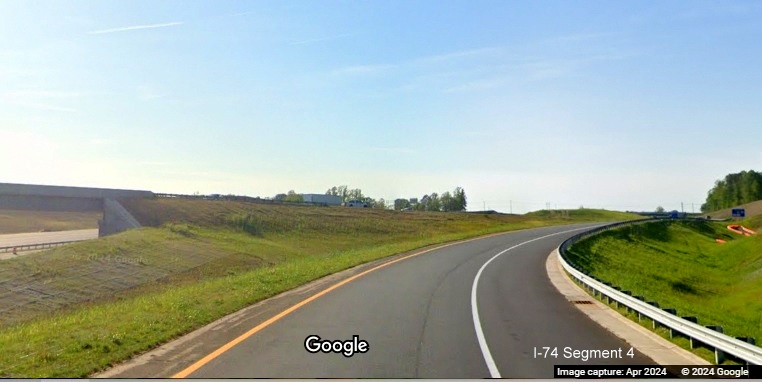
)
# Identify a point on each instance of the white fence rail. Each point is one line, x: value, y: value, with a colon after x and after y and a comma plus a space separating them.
x: 710, y: 336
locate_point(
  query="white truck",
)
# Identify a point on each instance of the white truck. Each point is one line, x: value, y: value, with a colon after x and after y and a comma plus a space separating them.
x: 356, y: 203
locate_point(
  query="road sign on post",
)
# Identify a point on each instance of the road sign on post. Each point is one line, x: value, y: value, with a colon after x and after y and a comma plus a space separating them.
x: 739, y: 213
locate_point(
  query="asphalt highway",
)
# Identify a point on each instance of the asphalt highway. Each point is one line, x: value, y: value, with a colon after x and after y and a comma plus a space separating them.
x: 480, y: 309
x: 19, y: 239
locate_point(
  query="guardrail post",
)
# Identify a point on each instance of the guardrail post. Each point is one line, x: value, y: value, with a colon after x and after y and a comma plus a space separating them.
x: 608, y: 298
x: 655, y: 304
x: 618, y: 289
x: 719, y: 355
x: 748, y: 340
x: 694, y: 320
x: 627, y: 308
x: 674, y: 312
x: 641, y: 298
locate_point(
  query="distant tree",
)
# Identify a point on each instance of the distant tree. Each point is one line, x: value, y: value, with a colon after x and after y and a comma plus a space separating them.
x: 379, y: 204
x: 356, y: 194
x: 447, y: 202
x: 347, y: 194
x: 735, y: 189
x: 660, y: 209
x: 293, y: 197
x: 423, y: 204
x: 280, y: 197
x: 400, y: 204
x: 434, y: 204
x: 455, y: 201
x: 342, y: 191
x: 459, y: 196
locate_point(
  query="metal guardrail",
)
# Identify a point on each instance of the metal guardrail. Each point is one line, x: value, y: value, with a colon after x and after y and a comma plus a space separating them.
x: 32, y: 247
x: 722, y: 344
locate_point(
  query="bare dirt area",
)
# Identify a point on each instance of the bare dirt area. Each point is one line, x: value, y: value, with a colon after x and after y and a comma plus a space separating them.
x: 752, y: 209
x: 20, y: 221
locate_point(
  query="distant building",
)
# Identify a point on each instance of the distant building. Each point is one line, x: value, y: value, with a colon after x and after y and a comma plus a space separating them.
x: 413, y: 200
x: 331, y: 200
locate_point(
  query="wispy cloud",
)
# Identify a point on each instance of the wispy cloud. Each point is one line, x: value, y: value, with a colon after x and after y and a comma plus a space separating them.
x: 41, y: 94
x: 534, y: 69
x: 419, y: 62
x: 137, y: 27
x: 548, y: 69
x: 575, y: 38
x: 555, y: 68
x: 727, y: 9
x: 148, y: 93
x: 466, y: 53
x: 492, y: 67
x: 362, y: 69
x: 476, y: 85
x: 321, y: 39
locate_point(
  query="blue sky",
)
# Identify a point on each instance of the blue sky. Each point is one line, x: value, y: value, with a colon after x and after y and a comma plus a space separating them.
x: 621, y: 105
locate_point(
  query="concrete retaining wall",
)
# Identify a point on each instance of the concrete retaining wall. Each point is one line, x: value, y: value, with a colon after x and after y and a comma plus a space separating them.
x: 49, y: 203
x: 115, y: 219
x: 61, y: 198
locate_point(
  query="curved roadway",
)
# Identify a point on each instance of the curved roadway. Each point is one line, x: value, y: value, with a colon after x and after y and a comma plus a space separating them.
x: 455, y: 312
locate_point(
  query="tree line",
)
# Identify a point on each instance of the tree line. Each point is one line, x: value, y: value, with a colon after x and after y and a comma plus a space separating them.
x: 445, y: 202
x: 348, y: 194
x: 735, y: 189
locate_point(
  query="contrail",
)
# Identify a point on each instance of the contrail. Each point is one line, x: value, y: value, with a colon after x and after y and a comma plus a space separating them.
x: 136, y: 27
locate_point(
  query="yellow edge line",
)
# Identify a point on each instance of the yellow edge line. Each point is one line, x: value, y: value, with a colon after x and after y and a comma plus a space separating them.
x: 222, y: 349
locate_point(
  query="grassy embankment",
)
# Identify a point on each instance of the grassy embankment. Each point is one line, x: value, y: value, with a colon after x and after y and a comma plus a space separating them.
x: 198, y: 261
x: 19, y: 221
x: 679, y: 265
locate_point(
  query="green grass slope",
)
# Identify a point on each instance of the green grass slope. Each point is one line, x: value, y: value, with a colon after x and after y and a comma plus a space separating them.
x: 584, y: 214
x: 197, y: 261
x: 678, y: 264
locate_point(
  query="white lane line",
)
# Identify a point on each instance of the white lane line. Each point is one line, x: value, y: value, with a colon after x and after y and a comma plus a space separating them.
x: 494, y: 373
